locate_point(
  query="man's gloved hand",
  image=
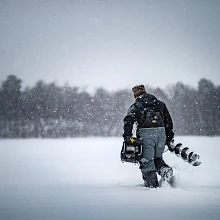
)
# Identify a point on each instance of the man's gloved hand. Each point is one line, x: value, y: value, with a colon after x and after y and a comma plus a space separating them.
x: 171, y: 145
x: 128, y: 140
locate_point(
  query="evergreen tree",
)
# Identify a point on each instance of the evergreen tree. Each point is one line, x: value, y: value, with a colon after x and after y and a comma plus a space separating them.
x: 10, y: 106
x: 48, y: 110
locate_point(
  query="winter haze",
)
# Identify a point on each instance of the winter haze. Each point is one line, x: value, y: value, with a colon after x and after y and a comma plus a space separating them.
x: 66, y: 72
x: 114, y: 44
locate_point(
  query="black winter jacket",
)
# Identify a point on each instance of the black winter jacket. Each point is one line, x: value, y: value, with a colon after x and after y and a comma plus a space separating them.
x: 147, y: 112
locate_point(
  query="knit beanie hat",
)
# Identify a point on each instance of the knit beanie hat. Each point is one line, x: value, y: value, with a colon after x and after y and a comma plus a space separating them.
x: 138, y: 90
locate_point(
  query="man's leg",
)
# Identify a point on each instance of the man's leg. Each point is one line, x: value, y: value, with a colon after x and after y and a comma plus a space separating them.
x: 147, y: 165
x: 165, y: 171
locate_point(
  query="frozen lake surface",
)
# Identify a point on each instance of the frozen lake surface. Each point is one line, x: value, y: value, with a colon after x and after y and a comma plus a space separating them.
x: 83, y: 178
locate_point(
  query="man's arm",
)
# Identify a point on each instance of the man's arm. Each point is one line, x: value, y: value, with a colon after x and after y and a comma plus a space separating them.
x: 129, y: 120
x: 168, y: 123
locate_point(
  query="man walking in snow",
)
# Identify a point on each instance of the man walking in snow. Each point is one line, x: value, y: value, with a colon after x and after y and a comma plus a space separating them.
x: 155, y: 128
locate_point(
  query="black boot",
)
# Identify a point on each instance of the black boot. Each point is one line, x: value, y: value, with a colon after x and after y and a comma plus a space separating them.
x: 166, y: 174
x: 150, y: 179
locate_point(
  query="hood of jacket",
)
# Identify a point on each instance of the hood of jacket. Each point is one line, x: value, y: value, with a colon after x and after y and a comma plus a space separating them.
x: 146, y: 99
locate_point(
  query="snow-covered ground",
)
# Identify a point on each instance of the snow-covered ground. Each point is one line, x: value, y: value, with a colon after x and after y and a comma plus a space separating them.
x: 84, y: 178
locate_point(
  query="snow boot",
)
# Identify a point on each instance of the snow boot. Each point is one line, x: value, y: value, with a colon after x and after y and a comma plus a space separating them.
x: 150, y: 179
x: 166, y: 174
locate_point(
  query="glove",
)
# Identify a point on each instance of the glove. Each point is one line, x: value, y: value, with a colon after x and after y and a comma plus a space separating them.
x: 128, y: 140
x: 171, y: 145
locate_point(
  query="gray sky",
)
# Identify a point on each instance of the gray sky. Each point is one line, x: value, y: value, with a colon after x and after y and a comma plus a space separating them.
x: 110, y: 43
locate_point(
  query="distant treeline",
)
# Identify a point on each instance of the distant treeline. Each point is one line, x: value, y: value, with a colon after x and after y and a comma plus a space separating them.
x: 52, y: 111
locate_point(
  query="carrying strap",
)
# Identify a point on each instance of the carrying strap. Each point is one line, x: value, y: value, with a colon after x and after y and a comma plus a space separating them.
x: 151, y: 117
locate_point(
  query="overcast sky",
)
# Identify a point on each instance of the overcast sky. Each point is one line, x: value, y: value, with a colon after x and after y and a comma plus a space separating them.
x: 110, y: 43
